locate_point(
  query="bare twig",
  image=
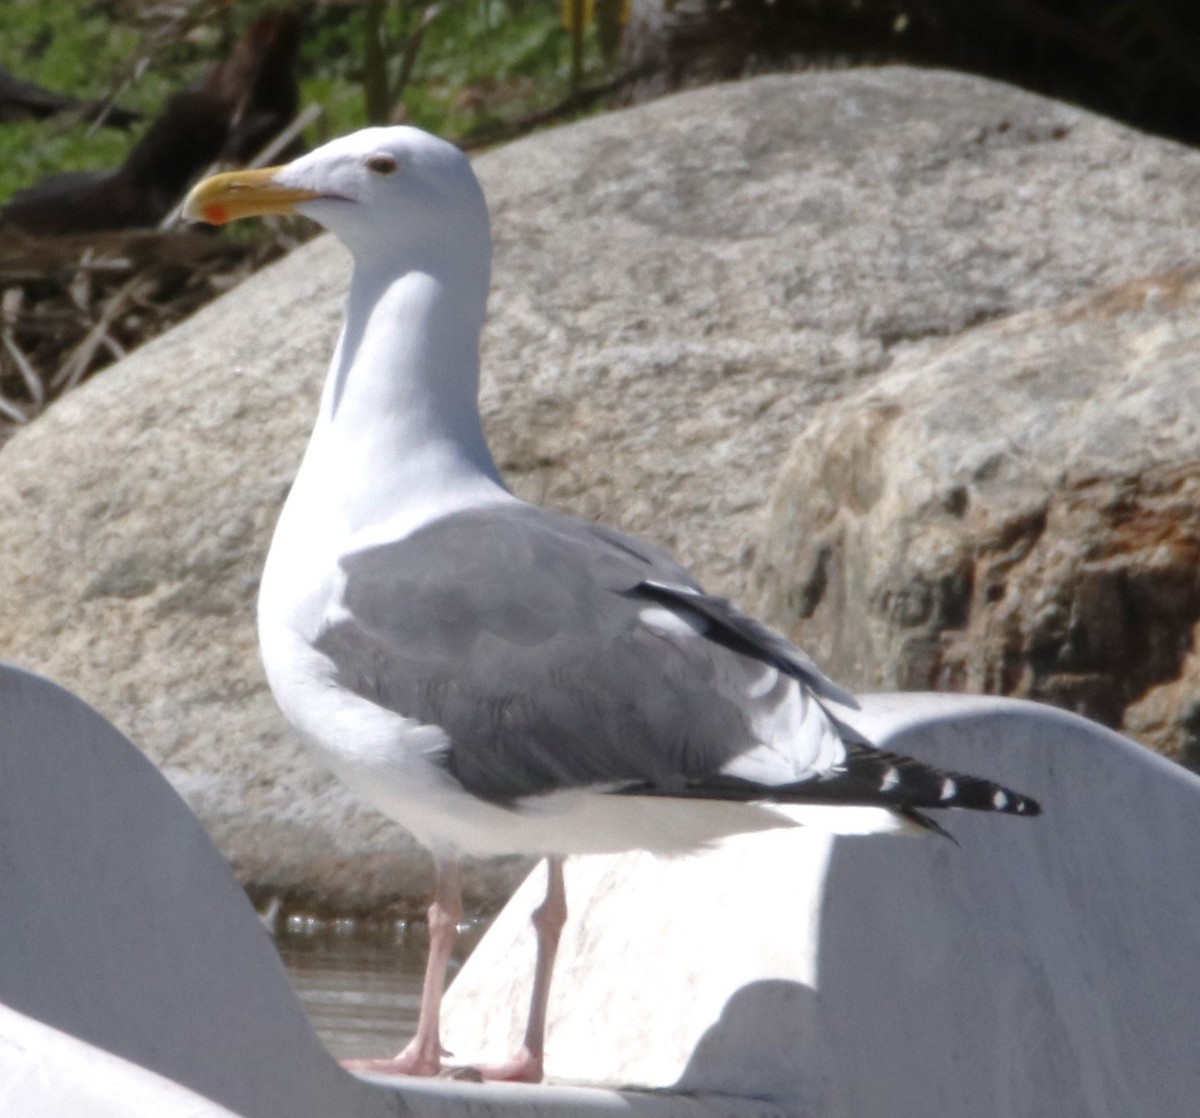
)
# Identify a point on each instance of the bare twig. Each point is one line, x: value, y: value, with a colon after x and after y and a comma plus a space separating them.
x: 141, y: 282
x: 11, y: 411
x: 374, y: 60
x: 308, y: 115
x: 80, y: 358
x: 167, y: 34
x: 33, y: 383
x: 408, y: 60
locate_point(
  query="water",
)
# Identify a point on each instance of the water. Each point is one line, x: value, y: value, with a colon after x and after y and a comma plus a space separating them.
x: 361, y: 986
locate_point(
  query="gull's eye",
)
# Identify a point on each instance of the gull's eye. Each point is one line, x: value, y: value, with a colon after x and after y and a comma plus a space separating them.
x: 383, y: 164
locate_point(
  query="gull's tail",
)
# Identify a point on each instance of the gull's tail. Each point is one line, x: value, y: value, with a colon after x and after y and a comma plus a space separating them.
x: 891, y: 792
x: 875, y: 777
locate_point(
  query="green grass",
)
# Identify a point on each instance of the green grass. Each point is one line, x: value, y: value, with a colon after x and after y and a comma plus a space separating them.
x: 67, y: 46
x: 482, y: 62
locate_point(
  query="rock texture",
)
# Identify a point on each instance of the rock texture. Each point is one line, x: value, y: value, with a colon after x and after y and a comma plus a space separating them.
x: 677, y: 285
x: 676, y: 288
x: 1016, y: 511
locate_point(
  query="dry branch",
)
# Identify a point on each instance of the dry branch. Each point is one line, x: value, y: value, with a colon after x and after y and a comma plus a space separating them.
x: 69, y: 306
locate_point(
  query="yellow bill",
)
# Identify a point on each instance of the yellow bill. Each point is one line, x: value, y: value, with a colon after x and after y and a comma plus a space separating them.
x: 235, y: 194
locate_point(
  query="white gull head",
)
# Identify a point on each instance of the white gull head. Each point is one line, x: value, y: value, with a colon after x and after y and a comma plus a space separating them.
x: 395, y: 194
x: 396, y: 197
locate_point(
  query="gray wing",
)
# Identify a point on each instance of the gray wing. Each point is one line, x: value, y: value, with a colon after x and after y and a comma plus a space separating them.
x: 528, y: 637
x: 520, y: 632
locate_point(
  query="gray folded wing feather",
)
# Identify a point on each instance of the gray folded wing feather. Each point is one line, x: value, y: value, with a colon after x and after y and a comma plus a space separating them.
x: 522, y: 634
x: 751, y: 636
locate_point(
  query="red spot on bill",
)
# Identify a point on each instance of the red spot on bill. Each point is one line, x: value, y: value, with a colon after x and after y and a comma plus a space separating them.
x: 216, y: 214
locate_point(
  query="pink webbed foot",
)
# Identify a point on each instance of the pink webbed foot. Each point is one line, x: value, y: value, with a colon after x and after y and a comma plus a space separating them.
x: 416, y: 1060
x: 423, y: 1055
x: 524, y: 1067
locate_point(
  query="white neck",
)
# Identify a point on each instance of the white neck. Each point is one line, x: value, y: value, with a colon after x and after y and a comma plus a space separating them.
x: 398, y: 440
x: 399, y: 412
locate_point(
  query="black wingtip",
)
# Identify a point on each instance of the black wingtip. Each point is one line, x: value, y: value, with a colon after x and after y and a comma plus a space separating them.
x: 874, y: 776
x: 983, y: 795
x: 1023, y: 805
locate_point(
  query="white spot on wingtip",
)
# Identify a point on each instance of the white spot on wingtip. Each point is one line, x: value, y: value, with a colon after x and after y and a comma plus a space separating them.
x: 999, y: 800
x: 949, y: 790
x: 890, y: 779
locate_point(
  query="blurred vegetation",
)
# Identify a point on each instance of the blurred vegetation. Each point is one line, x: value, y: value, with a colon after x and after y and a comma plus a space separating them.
x: 475, y: 71
x: 70, y: 305
x: 70, y: 47
x: 1136, y: 60
x: 459, y: 67
x: 472, y: 69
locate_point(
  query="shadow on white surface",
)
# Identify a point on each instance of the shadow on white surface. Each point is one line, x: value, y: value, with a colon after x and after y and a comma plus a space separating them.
x: 122, y: 926
x: 1037, y: 966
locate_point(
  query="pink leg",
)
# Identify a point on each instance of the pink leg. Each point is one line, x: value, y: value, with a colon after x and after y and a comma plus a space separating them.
x: 548, y: 921
x: 423, y: 1054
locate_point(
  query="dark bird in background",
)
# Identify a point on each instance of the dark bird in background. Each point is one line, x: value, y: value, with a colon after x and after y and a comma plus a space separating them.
x: 256, y: 87
x: 227, y: 116
x: 23, y: 100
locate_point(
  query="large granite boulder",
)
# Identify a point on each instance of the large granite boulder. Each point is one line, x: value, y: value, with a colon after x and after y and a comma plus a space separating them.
x: 676, y: 287
x: 1015, y: 511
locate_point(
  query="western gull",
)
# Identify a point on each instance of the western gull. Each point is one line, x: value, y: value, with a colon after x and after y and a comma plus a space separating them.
x: 497, y: 677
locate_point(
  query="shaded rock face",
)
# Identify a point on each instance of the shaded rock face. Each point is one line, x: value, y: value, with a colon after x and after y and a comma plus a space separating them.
x: 676, y: 289
x: 1015, y: 512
